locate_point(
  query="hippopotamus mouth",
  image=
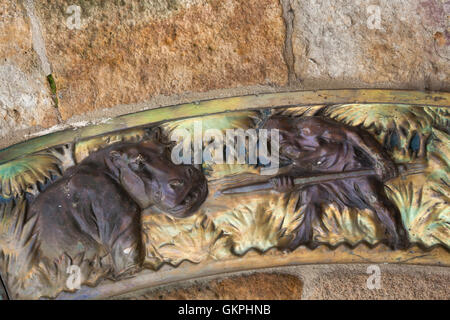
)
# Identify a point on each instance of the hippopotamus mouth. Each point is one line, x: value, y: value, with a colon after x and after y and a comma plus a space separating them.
x: 191, y: 202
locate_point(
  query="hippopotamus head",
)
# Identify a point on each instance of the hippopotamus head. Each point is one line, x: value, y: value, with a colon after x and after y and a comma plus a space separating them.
x: 146, y: 172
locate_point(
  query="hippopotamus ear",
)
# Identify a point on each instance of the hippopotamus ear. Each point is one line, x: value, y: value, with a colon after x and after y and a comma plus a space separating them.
x: 111, y: 164
x: 118, y: 164
x: 156, y: 142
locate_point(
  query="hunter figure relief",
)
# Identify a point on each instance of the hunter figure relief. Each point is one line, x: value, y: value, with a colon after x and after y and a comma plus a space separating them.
x: 318, y: 145
x: 113, y: 203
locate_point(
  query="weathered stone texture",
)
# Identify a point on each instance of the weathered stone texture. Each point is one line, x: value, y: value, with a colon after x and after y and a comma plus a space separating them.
x: 339, y: 43
x: 258, y: 286
x: 400, y: 283
x: 128, y: 51
x: 25, y: 98
x: 312, y: 282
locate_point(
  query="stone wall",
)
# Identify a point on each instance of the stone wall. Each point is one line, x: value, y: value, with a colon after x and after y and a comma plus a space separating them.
x: 69, y: 62
x: 342, y: 282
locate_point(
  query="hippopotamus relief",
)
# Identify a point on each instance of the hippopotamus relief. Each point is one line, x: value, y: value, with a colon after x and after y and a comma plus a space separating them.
x: 95, y: 208
x: 320, y: 145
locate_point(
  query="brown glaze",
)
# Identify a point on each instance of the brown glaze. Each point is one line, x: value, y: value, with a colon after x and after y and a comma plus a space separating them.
x: 95, y: 208
x: 317, y: 145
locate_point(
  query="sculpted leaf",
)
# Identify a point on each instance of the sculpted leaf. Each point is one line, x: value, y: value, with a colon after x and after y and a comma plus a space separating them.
x: 427, y: 221
x: 347, y: 225
x: 261, y: 225
x: 299, y: 111
x: 18, y: 175
x: 194, y: 244
x: 440, y: 115
x: 396, y: 126
x: 84, y: 148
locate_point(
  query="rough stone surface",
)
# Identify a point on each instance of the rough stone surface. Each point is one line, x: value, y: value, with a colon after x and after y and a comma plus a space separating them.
x: 339, y: 43
x: 128, y: 51
x: 313, y: 282
x: 396, y: 283
x: 258, y: 286
x: 25, y: 98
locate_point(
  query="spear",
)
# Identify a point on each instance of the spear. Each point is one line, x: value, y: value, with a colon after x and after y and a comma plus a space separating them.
x: 403, y: 169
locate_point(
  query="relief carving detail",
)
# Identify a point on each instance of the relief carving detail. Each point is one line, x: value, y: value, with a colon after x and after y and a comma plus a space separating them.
x: 115, y: 205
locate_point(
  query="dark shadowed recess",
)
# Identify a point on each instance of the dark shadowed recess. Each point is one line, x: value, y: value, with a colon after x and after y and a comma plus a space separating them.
x: 3, y: 293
